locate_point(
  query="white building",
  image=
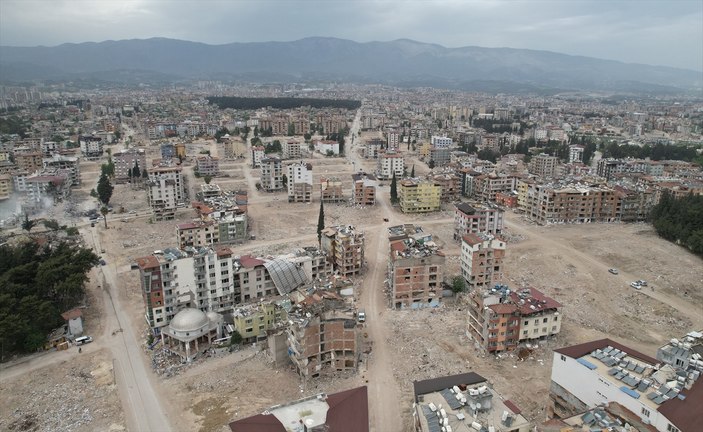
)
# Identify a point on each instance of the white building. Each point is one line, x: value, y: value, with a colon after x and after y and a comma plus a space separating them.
x: 165, y: 190
x: 257, y: 154
x: 327, y: 146
x: 271, y: 174
x: 575, y: 153
x: 441, y: 142
x: 91, y: 147
x: 593, y: 373
x: 299, y: 182
x: 390, y: 163
x: 291, y: 149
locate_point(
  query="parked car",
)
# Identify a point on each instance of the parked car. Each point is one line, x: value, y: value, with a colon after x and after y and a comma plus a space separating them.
x: 613, y: 271
x: 361, y: 315
x: 642, y: 282
x: 636, y: 286
x: 102, y: 262
x: 83, y: 340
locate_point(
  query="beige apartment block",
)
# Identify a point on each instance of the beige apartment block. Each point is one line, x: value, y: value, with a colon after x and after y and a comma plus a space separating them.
x: 344, y: 246
x: 482, y: 260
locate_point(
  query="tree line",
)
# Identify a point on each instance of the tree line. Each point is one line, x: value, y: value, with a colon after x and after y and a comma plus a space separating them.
x: 280, y: 103
x: 680, y: 220
x: 36, y: 286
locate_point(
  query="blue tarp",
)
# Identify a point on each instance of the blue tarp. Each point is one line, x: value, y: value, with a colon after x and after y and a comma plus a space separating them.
x: 630, y: 392
x: 586, y: 363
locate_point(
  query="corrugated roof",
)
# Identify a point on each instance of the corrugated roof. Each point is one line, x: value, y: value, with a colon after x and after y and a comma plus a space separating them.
x: 436, y: 384
x: 686, y: 414
x: 580, y: 350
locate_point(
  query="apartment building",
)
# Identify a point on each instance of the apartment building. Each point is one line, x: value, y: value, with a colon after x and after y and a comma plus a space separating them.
x: 477, y: 218
x: 69, y: 163
x: 571, y: 203
x: 271, y: 174
x: 393, y: 139
x: 91, y: 147
x: 5, y: 186
x: 254, y: 321
x: 299, y: 182
x: 331, y: 190
x: 326, y: 147
x: 415, y: 268
x: 207, y: 166
x: 323, y: 337
x: 291, y: 149
x: 390, y: 163
x: 576, y: 153
x: 636, y: 203
x: 543, y: 165
x: 449, y: 183
x: 419, y: 196
x: 440, y: 156
x: 344, y: 246
x: 257, y: 155
x: 441, y: 142
x: 48, y: 185
x: 373, y: 147
x: 165, y: 191
x: 482, y: 260
x: 485, y: 186
x: 364, y: 191
x: 209, y: 279
x: 666, y: 396
x: 125, y: 161
x: 30, y: 162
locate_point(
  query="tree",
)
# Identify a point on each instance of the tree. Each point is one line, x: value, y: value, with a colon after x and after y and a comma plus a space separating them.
x: 431, y: 164
x: 320, y: 224
x: 28, y: 223
x: 51, y: 224
x: 458, y: 284
x: 104, y: 211
x: 104, y: 189
x: 412, y: 172
x: 136, y: 172
x: 235, y: 338
x: 394, y: 190
x: 207, y: 179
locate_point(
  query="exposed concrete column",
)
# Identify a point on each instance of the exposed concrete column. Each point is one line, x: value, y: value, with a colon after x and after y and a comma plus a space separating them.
x: 187, y: 346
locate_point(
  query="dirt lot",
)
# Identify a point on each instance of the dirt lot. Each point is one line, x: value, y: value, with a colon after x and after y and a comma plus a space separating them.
x: 568, y: 263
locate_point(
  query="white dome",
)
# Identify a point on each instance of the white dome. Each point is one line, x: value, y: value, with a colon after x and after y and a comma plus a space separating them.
x: 189, y: 320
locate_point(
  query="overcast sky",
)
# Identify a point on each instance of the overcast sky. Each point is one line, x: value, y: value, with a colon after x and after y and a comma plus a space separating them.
x: 665, y: 32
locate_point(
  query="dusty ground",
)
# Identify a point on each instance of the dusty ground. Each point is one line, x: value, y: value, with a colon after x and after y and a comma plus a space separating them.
x: 568, y: 263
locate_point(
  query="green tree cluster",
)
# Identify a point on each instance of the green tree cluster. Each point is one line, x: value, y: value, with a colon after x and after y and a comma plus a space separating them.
x: 680, y: 220
x: 273, y: 147
x: 656, y: 152
x: 104, y: 189
x: 36, y: 286
x: 394, y: 190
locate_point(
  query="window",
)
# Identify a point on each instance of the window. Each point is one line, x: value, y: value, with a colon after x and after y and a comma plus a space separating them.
x: 672, y: 428
x: 645, y: 411
x: 563, y: 358
x: 544, y: 320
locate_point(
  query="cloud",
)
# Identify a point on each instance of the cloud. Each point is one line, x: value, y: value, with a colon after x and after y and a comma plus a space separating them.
x: 652, y: 32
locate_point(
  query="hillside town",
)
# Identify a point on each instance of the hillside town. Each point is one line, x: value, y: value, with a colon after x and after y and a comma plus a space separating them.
x: 430, y: 261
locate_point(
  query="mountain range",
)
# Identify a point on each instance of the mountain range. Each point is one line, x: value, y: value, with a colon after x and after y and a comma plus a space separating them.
x: 400, y: 62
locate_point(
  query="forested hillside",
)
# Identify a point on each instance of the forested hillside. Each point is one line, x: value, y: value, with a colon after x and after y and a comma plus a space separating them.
x: 680, y: 221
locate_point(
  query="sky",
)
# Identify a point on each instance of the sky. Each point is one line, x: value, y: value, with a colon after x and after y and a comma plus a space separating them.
x: 662, y: 32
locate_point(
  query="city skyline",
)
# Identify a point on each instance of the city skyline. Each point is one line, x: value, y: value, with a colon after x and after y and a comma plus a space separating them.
x: 649, y: 32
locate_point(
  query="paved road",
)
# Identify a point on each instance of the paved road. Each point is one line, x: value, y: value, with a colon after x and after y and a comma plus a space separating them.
x: 135, y: 381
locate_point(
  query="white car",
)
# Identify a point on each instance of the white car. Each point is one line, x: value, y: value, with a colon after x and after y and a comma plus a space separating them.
x: 636, y: 286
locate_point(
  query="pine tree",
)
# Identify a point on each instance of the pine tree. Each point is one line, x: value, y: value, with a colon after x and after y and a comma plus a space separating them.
x: 394, y: 190
x: 412, y: 172
x: 320, y: 224
x: 104, y: 189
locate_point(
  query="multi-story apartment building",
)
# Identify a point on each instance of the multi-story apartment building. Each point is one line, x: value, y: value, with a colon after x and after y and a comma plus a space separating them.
x: 207, y: 166
x: 364, y: 191
x: 419, y: 196
x: 254, y: 321
x: 29, y: 162
x: 543, y: 165
x: 499, y: 319
x: 323, y: 340
x: 299, y: 182
x: 477, y: 218
x: 635, y: 203
x: 485, y: 186
x: 69, y: 163
x: 271, y: 174
x: 415, y: 268
x: 165, y: 191
x: 257, y: 155
x: 5, y: 186
x: 449, y: 183
x: 576, y: 153
x: 229, y: 228
x: 331, y: 190
x: 393, y: 138
x: 571, y: 203
x: 390, y: 163
x: 344, y: 246
x: 482, y: 260
x: 326, y: 147
x: 373, y: 147
x: 91, y: 147
x: 665, y: 397
x: 441, y: 142
x: 440, y: 156
x: 291, y: 149
x: 125, y: 161
x: 49, y: 184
